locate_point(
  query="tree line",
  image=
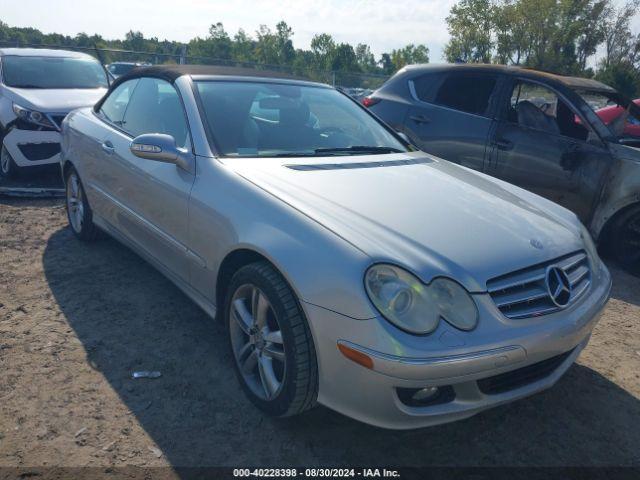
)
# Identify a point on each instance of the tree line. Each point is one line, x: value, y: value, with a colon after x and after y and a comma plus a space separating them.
x: 273, y: 47
x: 590, y: 38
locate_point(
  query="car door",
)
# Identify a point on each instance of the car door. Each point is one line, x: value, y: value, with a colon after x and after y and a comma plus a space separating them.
x: 150, y: 199
x: 451, y: 115
x: 97, y: 161
x: 542, y: 144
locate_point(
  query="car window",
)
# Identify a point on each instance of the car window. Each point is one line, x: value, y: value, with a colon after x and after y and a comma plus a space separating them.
x: 535, y: 106
x: 618, y: 113
x: 53, y: 72
x: 425, y: 86
x: 466, y: 92
x: 155, y: 107
x: 120, y: 69
x: 114, y: 106
x: 251, y: 119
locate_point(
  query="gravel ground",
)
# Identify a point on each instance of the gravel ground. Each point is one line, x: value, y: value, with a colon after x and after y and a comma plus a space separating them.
x: 76, y: 320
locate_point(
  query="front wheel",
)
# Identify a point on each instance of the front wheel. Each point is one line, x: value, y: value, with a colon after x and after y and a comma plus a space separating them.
x: 274, y: 355
x: 625, y: 241
x: 79, y: 213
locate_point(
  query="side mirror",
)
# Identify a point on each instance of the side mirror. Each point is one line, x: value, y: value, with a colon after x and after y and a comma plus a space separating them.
x: 161, y: 148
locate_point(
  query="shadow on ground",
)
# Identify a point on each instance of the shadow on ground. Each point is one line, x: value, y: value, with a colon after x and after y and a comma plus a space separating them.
x: 129, y: 317
x: 627, y: 288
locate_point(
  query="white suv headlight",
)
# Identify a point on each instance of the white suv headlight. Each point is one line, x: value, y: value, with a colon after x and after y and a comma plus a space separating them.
x: 32, y: 116
x: 415, y: 307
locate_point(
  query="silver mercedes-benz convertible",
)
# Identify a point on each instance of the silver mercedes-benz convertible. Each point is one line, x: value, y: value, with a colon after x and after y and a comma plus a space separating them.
x: 350, y: 269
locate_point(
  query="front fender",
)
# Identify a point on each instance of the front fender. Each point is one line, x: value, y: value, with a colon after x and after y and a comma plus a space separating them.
x: 622, y: 189
x: 228, y: 213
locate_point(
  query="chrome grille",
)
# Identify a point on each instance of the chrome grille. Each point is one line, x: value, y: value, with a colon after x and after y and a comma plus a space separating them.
x: 524, y: 293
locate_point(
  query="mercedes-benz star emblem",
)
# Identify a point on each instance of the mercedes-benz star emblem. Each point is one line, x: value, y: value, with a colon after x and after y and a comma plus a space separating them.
x: 558, y: 286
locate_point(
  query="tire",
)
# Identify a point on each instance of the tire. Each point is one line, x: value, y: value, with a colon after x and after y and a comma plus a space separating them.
x: 79, y: 212
x: 8, y: 167
x: 624, y: 241
x: 271, y: 345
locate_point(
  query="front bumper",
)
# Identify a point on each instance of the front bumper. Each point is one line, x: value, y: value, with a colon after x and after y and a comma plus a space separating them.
x: 447, y: 357
x: 30, y: 148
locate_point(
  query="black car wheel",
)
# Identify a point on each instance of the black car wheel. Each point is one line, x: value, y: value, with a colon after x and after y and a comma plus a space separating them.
x: 78, y: 210
x: 274, y: 355
x: 624, y: 242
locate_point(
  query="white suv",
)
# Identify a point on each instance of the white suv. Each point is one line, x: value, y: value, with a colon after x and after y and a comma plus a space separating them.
x: 38, y: 88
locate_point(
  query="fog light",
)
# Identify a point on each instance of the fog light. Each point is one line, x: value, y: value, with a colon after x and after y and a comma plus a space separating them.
x: 425, y: 394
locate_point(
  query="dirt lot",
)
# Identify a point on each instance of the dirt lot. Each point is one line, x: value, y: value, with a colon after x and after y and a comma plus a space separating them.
x: 76, y: 320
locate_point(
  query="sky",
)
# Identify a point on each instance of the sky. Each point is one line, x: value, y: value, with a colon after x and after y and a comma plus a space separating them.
x: 384, y: 25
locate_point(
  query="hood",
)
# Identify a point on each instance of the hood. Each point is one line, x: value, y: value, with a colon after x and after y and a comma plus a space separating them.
x: 427, y: 215
x: 59, y: 100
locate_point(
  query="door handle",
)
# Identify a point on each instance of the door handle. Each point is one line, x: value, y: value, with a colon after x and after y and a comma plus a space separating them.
x: 503, y: 144
x: 420, y: 119
x: 108, y: 147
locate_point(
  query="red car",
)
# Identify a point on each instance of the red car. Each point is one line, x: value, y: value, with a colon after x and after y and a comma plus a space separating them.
x: 609, y: 114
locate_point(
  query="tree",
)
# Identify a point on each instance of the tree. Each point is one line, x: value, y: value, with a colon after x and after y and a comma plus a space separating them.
x: 556, y: 35
x: 619, y: 44
x: 411, y: 54
x: 365, y: 59
x: 242, y: 47
x: 266, y: 50
x: 386, y: 64
x: 470, y: 25
x: 322, y: 46
x: 343, y: 58
x: 622, y: 76
x: 219, y: 41
x: 284, y: 44
x: 620, y: 65
x: 134, y: 41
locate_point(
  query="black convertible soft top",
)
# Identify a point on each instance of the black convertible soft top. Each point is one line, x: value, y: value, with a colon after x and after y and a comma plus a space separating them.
x: 171, y: 73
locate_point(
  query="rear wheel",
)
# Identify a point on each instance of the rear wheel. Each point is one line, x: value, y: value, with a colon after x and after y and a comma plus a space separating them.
x: 78, y: 211
x: 274, y: 355
x: 624, y: 243
x: 8, y: 167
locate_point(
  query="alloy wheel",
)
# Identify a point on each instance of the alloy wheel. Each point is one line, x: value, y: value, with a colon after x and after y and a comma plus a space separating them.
x: 257, y: 342
x: 75, y: 204
x: 630, y: 241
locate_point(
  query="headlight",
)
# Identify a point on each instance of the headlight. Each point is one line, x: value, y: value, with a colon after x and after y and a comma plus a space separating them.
x: 415, y: 307
x: 32, y: 116
x: 590, y: 247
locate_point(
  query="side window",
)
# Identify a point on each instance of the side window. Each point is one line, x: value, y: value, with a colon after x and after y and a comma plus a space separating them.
x: 155, y: 107
x: 116, y: 103
x: 538, y: 107
x: 425, y: 86
x: 466, y: 92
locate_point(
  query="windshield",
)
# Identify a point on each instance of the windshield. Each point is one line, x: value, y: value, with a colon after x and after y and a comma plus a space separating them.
x: 52, y: 72
x: 620, y: 114
x: 254, y: 119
